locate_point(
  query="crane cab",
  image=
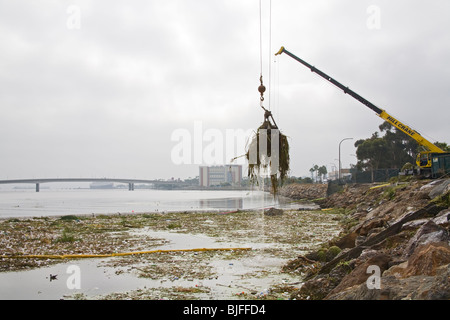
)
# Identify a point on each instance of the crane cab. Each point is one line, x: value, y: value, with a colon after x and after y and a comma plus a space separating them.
x: 423, y: 159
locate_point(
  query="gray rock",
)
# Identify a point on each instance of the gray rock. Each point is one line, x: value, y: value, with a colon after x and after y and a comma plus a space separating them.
x: 429, y: 232
x: 392, y: 288
x: 273, y: 212
x: 411, y: 225
x: 443, y: 218
x: 441, y: 187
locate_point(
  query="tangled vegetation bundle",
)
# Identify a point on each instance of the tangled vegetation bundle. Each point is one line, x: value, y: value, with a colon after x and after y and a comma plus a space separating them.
x: 266, y: 157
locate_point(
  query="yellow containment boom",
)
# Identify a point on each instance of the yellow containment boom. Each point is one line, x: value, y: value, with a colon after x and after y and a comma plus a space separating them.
x: 84, y: 256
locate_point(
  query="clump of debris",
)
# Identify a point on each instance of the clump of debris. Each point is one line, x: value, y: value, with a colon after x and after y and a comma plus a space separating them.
x: 268, y: 154
x: 273, y: 212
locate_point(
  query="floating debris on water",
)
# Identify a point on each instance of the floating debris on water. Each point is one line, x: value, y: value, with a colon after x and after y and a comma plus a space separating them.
x: 274, y: 241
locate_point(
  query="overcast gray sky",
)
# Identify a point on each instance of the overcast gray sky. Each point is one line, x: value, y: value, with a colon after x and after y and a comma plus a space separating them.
x: 99, y: 88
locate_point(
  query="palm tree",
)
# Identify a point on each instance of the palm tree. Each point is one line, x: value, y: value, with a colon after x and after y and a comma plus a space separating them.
x: 315, y: 169
x: 322, y: 172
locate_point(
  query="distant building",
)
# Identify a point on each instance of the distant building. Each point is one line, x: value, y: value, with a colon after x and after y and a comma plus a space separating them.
x: 334, y: 175
x: 102, y: 185
x: 220, y: 175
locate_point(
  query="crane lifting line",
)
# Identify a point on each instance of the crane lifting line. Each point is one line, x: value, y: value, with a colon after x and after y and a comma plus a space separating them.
x: 83, y: 256
x: 261, y: 44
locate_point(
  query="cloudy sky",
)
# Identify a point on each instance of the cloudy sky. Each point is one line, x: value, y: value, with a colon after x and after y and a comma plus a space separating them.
x: 124, y: 88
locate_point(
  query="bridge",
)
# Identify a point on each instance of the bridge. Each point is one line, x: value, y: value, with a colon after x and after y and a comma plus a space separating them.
x: 130, y: 182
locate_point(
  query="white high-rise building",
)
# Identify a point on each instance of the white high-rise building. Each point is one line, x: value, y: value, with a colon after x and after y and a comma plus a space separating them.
x: 220, y: 175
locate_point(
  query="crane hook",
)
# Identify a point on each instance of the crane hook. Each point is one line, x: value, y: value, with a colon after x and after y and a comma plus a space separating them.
x: 261, y: 88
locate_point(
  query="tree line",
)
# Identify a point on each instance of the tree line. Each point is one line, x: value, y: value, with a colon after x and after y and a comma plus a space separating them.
x: 389, y: 148
x: 392, y: 149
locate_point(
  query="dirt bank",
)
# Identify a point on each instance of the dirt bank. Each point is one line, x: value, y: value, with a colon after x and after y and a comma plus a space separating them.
x: 394, y: 245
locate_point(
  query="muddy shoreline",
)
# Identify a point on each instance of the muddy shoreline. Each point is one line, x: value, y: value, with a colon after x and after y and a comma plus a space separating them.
x: 238, y: 274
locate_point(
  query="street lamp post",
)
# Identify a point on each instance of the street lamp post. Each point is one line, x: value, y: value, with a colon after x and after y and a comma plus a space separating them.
x: 340, y: 166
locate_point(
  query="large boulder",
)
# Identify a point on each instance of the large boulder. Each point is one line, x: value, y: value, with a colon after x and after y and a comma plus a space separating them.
x: 359, y: 274
x: 425, y: 260
x: 315, y: 289
x: 443, y: 218
x: 411, y: 288
x: 428, y: 233
x: 347, y: 241
x: 438, y: 188
x: 369, y: 225
x: 320, y: 286
x: 424, y: 276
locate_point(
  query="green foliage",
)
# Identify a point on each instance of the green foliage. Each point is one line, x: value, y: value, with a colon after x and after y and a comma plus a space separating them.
x: 390, y: 192
x: 66, y: 236
x: 407, y: 166
x: 320, y: 172
x: 348, y: 223
x: 444, y: 146
x: 69, y: 218
x: 173, y: 225
x: 442, y: 200
x: 333, y: 252
x: 325, y: 255
x: 392, y: 150
x: 322, y: 255
x: 398, y: 179
x: 293, y: 179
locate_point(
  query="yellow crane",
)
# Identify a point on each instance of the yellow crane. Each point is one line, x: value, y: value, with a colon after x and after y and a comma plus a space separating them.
x: 424, y: 159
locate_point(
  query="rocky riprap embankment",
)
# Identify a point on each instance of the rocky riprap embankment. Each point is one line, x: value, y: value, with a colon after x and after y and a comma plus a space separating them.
x: 400, y: 230
x: 304, y: 191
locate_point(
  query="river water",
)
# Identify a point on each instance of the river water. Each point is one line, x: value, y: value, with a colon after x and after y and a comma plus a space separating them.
x: 56, y: 202
x: 98, y: 279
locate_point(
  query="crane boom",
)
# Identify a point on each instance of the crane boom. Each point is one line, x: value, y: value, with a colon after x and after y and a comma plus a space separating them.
x: 432, y: 148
